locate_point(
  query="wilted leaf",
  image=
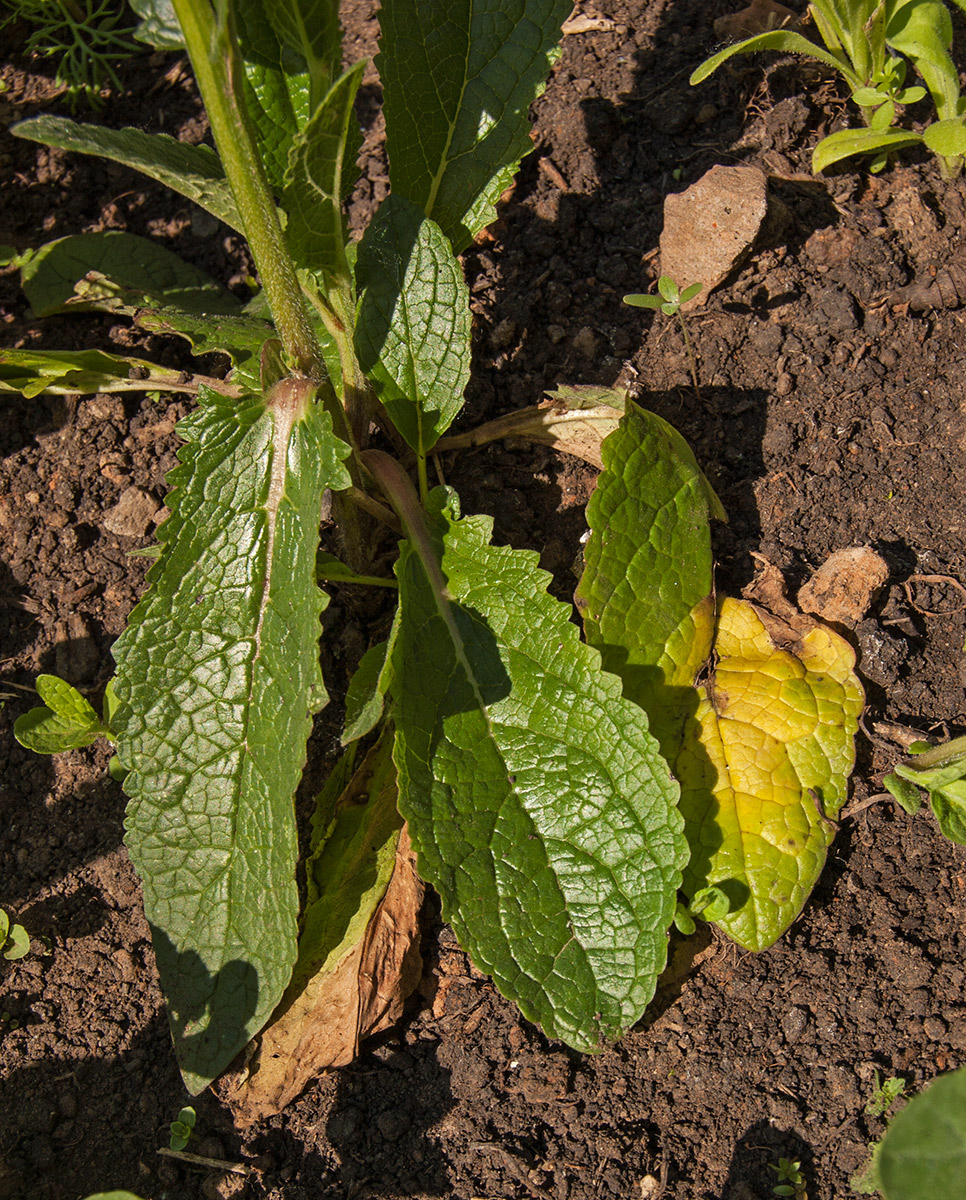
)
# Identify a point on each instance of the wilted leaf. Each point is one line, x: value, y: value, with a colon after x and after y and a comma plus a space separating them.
x: 358, y: 950
x: 765, y: 765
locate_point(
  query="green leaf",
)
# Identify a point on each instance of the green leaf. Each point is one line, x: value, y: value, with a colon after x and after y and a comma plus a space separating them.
x: 16, y: 943
x: 781, y: 40
x: 31, y: 372
x: 114, y: 1196
x: 241, y: 338
x: 217, y: 678
x: 276, y: 88
x: 459, y: 77
x: 192, y: 171
x: 314, y: 185
x: 923, y: 1154
x: 366, y: 695
x: 639, y: 300
x: 646, y: 591
x: 847, y: 142
x: 906, y: 794
x: 311, y: 29
x: 67, y: 722
x: 923, y: 32
x: 120, y: 261
x: 949, y: 805
x: 413, y: 329
x: 691, y: 291
x: 539, y: 806
x: 946, y: 138
x: 159, y: 26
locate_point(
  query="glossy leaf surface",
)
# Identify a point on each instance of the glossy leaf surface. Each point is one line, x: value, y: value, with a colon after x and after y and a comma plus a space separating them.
x: 413, y: 328
x: 217, y: 678
x: 459, y: 77
x: 537, y: 801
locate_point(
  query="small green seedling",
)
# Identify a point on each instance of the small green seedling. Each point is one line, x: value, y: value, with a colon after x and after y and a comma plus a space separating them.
x: 65, y: 722
x: 791, y: 1181
x: 710, y: 904
x: 863, y: 40
x: 14, y: 939
x: 884, y: 1094
x: 941, y: 772
x: 84, y: 37
x: 182, y: 1128
x: 670, y: 301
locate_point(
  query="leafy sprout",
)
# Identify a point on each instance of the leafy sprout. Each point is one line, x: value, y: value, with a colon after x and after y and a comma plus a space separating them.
x: 670, y: 300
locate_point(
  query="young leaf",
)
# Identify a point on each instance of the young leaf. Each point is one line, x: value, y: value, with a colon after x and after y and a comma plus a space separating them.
x: 413, y: 330
x: 539, y: 806
x: 123, y: 261
x: 458, y: 78
x: 847, y: 142
x: 217, y: 677
x: 765, y: 762
x: 646, y: 591
x: 67, y: 722
x: 314, y: 185
x: 778, y: 39
x: 941, y: 770
x: 159, y: 26
x: 193, y: 171
x: 242, y: 338
x: 923, y: 1154
x: 358, y: 948
x: 366, y: 695
x: 946, y: 138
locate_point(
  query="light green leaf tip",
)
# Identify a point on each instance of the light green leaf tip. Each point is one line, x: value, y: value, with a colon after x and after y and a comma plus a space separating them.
x: 536, y: 798
x: 923, y: 1154
x: 217, y: 678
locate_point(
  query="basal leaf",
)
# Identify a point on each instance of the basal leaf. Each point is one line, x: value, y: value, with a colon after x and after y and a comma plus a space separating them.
x: 119, y: 261
x: 765, y: 765
x: 193, y: 171
x: 782, y: 40
x: 646, y: 591
x: 65, y: 372
x: 537, y: 801
x: 413, y: 329
x: 459, y: 77
x: 217, y: 678
x: 66, y: 722
x: 314, y: 186
x: 240, y: 337
x: 358, y: 946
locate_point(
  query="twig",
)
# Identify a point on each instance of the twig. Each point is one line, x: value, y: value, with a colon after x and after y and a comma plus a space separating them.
x: 217, y: 1164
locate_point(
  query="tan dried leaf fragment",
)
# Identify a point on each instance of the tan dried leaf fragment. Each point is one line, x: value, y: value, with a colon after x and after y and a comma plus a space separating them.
x: 365, y: 993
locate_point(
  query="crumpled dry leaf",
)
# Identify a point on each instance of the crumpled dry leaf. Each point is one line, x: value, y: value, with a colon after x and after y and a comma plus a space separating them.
x: 842, y: 588
x: 322, y: 1026
x: 562, y: 422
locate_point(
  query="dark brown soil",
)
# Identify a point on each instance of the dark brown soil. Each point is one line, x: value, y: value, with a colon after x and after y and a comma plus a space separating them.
x: 828, y: 417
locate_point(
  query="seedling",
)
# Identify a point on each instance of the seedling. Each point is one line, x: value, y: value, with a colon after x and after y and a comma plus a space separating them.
x: 85, y: 38
x: 182, y: 1128
x: 862, y: 39
x: 484, y: 740
x: 14, y: 939
x: 791, y: 1181
x: 884, y: 1094
x: 710, y: 904
x: 670, y: 301
x: 941, y: 772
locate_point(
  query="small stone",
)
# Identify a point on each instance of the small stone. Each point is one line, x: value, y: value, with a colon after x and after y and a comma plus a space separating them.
x: 133, y: 514
x: 585, y: 342
x: 784, y: 384
x: 935, y: 1028
x: 710, y: 228
x: 841, y: 590
x: 793, y: 1024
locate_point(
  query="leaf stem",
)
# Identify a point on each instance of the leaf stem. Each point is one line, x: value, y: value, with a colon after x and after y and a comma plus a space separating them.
x: 692, y: 360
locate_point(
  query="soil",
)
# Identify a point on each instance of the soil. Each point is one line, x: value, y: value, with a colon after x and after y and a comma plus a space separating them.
x: 829, y: 415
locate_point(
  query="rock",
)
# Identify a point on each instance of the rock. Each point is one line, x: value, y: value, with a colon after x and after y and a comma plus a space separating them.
x: 709, y: 228
x: 841, y: 590
x: 133, y: 515
x: 761, y: 16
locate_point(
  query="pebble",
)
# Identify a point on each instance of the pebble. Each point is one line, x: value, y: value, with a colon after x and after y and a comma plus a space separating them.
x: 784, y: 384
x: 935, y: 1028
x: 133, y: 514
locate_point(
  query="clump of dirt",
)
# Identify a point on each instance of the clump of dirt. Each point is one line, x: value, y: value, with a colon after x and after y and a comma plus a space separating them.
x: 830, y: 414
